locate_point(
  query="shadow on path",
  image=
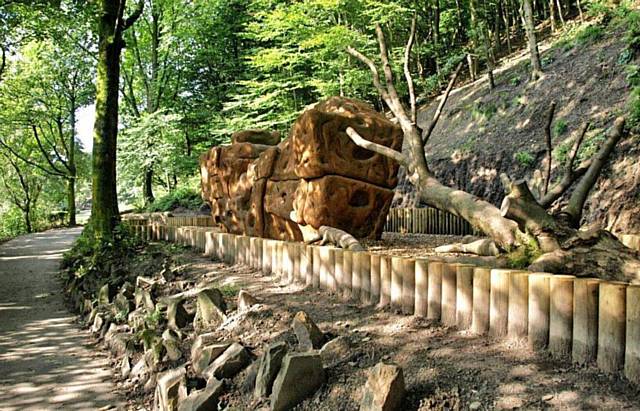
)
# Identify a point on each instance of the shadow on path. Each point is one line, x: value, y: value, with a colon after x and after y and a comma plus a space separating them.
x: 46, y: 361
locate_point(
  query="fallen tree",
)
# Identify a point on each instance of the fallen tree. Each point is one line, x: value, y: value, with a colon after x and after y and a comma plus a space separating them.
x: 561, y: 246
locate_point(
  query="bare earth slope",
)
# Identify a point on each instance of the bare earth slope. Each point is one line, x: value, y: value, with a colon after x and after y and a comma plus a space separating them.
x: 482, y: 133
x: 45, y: 358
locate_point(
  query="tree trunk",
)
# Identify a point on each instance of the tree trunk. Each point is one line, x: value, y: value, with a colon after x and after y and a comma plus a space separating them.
x: 529, y: 26
x: 148, y: 186
x: 552, y: 15
x: 111, y: 24
x: 71, y: 201
x: 27, y: 219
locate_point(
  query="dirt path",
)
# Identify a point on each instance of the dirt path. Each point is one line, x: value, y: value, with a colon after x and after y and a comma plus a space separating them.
x: 46, y: 360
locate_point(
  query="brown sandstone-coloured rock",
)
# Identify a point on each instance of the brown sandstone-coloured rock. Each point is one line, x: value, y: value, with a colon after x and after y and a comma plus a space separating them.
x: 171, y: 389
x: 256, y: 137
x: 229, y: 363
x: 315, y: 177
x: 384, y: 390
x: 300, y: 376
x: 268, y: 369
x: 203, y: 356
x: 307, y: 332
x: 210, y: 309
x: 335, y: 351
x: 205, y: 399
x: 245, y: 300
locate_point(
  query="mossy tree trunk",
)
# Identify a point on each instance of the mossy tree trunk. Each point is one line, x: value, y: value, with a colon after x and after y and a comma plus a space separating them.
x: 111, y: 25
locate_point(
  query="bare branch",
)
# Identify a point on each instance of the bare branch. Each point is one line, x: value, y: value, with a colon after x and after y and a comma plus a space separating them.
x: 584, y: 186
x: 407, y: 71
x: 377, y: 148
x: 547, y: 132
x: 436, y: 115
x: 394, y: 100
x: 374, y: 71
x: 576, y: 145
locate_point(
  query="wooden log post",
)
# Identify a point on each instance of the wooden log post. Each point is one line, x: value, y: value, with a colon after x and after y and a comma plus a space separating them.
x: 434, y: 293
x: 396, y: 282
x: 210, y: 240
x: 266, y: 255
x: 481, y: 300
x: 499, y: 299
x: 632, y: 346
x: 385, y: 281
x: 287, y: 260
x: 422, y: 287
x: 539, y: 300
x: 518, y: 317
x: 464, y: 296
x: 297, y: 255
x: 327, y: 268
x: 356, y: 279
x: 612, y: 312
x: 364, y: 269
x: 347, y: 274
x: 338, y: 261
x: 278, y: 263
x: 331, y: 271
x: 275, y: 258
x: 561, y: 315
x: 449, y: 291
x: 408, y: 285
x: 585, y: 320
x: 375, y: 279
x: 317, y: 264
x: 306, y: 265
x: 171, y: 234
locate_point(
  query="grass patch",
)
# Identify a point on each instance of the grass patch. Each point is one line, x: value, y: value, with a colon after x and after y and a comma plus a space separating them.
x: 524, y: 255
x: 525, y: 158
x: 560, y: 127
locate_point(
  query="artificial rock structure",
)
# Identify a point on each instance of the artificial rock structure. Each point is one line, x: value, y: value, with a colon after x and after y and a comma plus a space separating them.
x: 315, y: 177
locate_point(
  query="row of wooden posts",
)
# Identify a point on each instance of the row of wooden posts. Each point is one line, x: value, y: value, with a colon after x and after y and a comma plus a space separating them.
x: 583, y: 319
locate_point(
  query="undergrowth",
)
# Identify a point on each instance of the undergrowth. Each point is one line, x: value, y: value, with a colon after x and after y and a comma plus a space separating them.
x: 182, y: 197
x: 523, y: 256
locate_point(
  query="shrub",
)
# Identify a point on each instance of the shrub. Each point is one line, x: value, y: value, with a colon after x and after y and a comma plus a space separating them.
x: 560, y: 127
x: 525, y: 158
x: 182, y: 197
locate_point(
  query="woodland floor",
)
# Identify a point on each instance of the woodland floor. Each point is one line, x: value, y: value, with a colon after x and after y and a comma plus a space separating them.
x: 444, y: 369
x: 46, y: 360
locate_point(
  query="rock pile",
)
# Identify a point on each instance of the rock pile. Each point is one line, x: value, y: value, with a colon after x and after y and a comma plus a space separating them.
x: 262, y: 187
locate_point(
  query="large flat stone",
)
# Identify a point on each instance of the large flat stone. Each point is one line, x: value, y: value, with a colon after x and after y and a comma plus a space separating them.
x: 233, y: 360
x: 171, y: 389
x: 300, y: 376
x: 270, y: 364
x: 384, y: 390
x: 205, y: 399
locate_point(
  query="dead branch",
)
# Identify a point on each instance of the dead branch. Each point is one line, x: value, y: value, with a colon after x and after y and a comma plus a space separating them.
x: 407, y: 72
x: 584, y: 186
x: 570, y: 175
x: 436, y: 115
x: 374, y: 71
x: 394, y: 100
x: 521, y: 206
x: 377, y: 148
x: 547, y: 132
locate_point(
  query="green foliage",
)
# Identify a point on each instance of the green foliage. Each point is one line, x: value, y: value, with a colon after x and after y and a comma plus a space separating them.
x: 229, y: 290
x: 483, y: 112
x: 523, y: 256
x: 182, y: 197
x: 525, y: 158
x: 560, y: 127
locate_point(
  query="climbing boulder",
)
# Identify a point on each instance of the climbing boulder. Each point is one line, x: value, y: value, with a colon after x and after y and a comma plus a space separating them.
x: 316, y: 177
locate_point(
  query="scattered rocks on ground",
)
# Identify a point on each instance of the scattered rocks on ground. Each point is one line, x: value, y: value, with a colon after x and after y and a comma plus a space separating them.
x: 205, y: 399
x: 268, y: 368
x: 384, y: 390
x: 307, y: 332
x: 103, y: 295
x: 171, y: 343
x: 300, y: 376
x: 245, y: 300
x: 203, y: 355
x: 210, y: 310
x: 336, y: 351
x: 171, y: 389
x: 233, y: 360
